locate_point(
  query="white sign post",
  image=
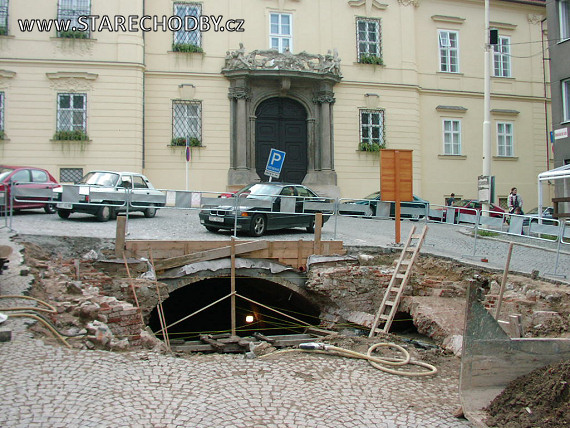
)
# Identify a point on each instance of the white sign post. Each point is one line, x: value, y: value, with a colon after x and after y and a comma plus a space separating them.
x: 274, y: 163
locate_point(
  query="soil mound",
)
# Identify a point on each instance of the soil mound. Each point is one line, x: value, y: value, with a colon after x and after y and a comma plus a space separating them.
x: 538, y: 399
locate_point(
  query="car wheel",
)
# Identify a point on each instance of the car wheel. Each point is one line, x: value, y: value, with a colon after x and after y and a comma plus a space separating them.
x: 104, y: 213
x: 113, y: 215
x: 258, y: 225
x: 63, y: 213
x: 150, y: 212
x: 49, y: 208
x: 311, y: 226
x: 212, y: 229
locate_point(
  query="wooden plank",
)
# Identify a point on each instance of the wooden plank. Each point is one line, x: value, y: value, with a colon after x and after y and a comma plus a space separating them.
x: 212, y: 254
x: 120, y: 234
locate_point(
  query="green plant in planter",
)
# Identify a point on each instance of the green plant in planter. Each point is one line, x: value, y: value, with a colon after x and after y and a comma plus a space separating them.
x: 371, y: 147
x: 186, y: 47
x: 73, y: 34
x: 371, y: 59
x: 76, y: 135
x: 3, y: 31
x: 2, y: 134
x: 181, y: 141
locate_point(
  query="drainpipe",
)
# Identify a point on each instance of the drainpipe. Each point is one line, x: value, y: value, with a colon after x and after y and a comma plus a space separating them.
x: 143, y: 91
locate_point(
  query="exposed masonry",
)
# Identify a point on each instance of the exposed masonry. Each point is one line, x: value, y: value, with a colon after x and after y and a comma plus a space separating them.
x: 97, y: 295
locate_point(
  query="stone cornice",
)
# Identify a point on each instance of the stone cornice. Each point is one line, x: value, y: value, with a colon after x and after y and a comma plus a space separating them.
x: 71, y: 75
x: 448, y: 19
x: 502, y: 25
x: 7, y: 74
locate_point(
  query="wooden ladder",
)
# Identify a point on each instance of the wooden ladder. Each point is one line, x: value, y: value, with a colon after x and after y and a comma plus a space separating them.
x: 400, y: 278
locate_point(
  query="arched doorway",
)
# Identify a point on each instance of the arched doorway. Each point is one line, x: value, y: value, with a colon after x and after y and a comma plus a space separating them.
x: 282, y: 124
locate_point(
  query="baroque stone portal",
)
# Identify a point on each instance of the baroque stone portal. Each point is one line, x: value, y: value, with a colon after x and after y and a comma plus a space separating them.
x: 306, y: 78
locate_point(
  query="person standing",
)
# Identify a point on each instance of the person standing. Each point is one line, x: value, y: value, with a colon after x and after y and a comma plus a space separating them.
x: 515, y: 201
x: 450, y: 200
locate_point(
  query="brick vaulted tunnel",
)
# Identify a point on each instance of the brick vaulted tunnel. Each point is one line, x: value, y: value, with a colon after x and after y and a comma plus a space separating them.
x: 266, y: 285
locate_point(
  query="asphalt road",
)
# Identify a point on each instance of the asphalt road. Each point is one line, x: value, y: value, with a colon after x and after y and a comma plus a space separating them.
x: 452, y: 241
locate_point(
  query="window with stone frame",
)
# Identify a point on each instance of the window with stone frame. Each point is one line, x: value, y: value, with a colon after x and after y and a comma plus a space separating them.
x: 566, y: 100
x: 505, y: 139
x: 281, y: 32
x: 69, y: 11
x: 564, y: 19
x: 3, y: 17
x: 502, y: 57
x: 452, y: 137
x: 448, y: 51
x: 372, y: 136
x: 187, y: 41
x: 186, y: 123
x: 368, y: 36
x: 71, y: 117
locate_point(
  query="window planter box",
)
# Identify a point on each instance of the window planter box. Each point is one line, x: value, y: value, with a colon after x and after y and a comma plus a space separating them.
x: 181, y: 142
x: 187, y: 48
x: 371, y: 59
x: 70, y: 136
x: 367, y: 147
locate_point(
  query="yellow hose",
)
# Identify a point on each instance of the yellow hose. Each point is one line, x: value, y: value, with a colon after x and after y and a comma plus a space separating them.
x: 50, y: 309
x: 377, y: 362
x: 48, y: 325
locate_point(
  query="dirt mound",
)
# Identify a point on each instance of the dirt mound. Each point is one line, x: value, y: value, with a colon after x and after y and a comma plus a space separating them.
x: 538, y: 399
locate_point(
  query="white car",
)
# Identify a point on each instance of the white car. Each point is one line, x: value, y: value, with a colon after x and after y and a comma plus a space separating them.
x: 106, y: 193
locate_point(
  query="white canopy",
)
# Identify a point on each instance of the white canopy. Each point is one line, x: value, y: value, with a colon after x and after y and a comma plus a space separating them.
x: 554, y: 174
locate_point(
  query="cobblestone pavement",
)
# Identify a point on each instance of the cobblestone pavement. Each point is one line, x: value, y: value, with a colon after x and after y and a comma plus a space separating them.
x: 48, y: 385
x: 445, y: 240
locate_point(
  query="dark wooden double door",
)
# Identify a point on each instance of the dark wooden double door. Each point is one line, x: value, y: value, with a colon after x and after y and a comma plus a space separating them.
x: 282, y: 124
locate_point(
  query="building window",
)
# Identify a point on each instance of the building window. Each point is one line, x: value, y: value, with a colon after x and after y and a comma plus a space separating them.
x: 505, y: 139
x: 564, y: 17
x: 448, y: 51
x: 186, y: 123
x: 368, y: 36
x: 71, y: 117
x: 371, y: 130
x: 566, y: 100
x: 281, y: 32
x: 502, y: 57
x: 451, y: 137
x: 3, y: 17
x: 69, y: 11
x: 187, y: 41
x: 70, y: 175
x: 1, y: 115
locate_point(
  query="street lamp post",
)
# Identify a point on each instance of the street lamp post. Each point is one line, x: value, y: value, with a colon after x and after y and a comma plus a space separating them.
x: 487, y: 111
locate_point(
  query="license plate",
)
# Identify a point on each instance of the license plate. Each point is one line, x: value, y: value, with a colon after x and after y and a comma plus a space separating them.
x: 216, y: 219
x: 65, y: 205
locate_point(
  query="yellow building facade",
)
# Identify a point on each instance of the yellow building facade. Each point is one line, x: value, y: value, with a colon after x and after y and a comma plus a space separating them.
x: 330, y: 82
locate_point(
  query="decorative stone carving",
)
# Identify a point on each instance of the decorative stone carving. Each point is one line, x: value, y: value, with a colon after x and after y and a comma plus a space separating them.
x: 70, y: 81
x: 239, y: 93
x: 271, y: 59
x: 415, y: 3
x: 535, y: 19
x: 324, y: 97
x: 6, y: 78
x: 369, y: 4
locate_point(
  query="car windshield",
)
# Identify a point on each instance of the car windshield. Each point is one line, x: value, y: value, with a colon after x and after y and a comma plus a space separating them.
x: 5, y: 172
x: 107, y: 179
x: 260, y: 189
x: 375, y: 195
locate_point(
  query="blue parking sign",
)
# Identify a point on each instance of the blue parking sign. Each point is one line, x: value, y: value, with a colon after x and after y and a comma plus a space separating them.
x: 274, y: 163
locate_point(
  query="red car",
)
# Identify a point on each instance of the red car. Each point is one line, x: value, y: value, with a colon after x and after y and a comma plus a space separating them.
x: 27, y: 178
x: 471, y: 207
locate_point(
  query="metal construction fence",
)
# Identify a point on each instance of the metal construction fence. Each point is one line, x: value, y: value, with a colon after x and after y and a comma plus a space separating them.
x: 133, y: 199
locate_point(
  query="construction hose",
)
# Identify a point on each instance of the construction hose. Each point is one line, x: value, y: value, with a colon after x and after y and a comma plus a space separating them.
x: 377, y: 362
x: 50, y: 309
x: 47, y: 324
